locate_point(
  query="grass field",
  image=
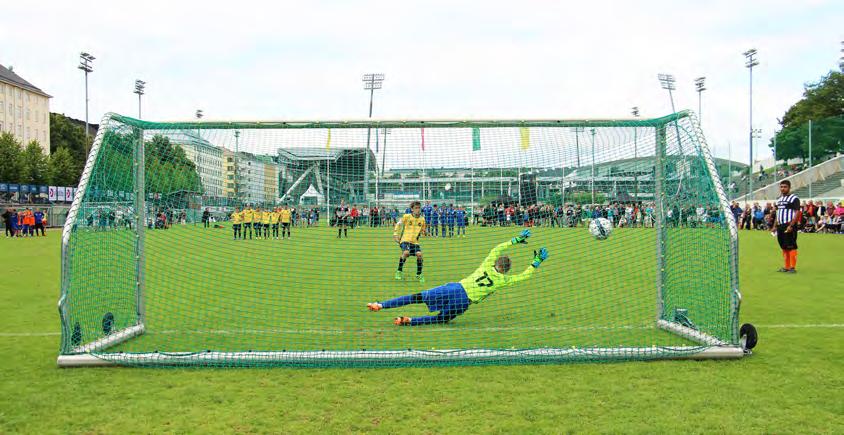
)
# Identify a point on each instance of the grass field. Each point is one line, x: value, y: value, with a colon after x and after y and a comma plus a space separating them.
x: 792, y: 383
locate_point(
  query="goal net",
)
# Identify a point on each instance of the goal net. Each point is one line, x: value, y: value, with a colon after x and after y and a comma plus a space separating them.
x: 261, y: 243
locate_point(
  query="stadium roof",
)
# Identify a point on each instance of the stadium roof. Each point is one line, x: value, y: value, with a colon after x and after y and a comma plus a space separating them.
x: 317, y: 154
x: 9, y: 76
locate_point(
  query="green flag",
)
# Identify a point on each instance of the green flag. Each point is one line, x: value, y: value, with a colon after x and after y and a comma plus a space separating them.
x: 476, y: 139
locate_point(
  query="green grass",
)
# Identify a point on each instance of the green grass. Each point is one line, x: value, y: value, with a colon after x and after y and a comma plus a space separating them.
x: 791, y: 384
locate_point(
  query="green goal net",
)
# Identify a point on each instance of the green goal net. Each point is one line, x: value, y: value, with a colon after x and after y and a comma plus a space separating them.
x: 301, y: 244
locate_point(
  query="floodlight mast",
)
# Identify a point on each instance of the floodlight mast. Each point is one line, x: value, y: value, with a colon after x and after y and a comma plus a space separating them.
x: 700, y: 86
x: 140, y: 86
x: 751, y: 61
x: 371, y: 82
x: 85, y: 60
x: 635, y: 112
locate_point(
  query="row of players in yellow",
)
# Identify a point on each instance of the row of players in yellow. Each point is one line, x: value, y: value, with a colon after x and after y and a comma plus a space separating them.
x: 274, y: 216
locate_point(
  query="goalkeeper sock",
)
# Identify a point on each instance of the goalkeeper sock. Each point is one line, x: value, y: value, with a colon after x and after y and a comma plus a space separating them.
x: 419, y: 266
x: 401, y: 264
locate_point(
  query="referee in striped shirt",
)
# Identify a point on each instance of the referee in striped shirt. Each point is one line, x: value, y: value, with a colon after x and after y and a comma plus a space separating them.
x: 787, y: 219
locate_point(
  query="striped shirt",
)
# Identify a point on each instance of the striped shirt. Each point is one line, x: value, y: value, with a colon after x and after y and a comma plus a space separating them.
x: 787, y: 207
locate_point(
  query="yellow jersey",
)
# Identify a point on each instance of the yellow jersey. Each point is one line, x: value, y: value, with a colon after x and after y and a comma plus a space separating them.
x: 485, y: 280
x: 266, y: 218
x: 411, y: 227
x: 248, y: 215
x: 237, y: 217
x: 274, y: 218
x: 284, y: 216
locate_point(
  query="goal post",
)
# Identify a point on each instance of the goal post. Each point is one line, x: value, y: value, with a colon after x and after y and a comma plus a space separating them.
x: 157, y: 268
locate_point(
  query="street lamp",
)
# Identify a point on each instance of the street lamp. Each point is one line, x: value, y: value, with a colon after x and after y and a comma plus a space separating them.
x: 199, y: 114
x: 700, y: 87
x: 750, y: 56
x: 371, y: 82
x: 85, y: 60
x: 140, y: 85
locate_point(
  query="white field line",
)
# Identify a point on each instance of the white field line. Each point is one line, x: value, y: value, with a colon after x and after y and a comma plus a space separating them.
x: 440, y: 329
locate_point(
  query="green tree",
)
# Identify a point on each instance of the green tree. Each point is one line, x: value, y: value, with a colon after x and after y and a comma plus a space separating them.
x: 66, y: 134
x: 62, y: 169
x: 10, y: 158
x: 823, y: 104
x: 33, y: 164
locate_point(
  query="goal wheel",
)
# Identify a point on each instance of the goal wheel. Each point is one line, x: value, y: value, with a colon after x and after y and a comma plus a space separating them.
x: 108, y: 323
x: 748, y: 336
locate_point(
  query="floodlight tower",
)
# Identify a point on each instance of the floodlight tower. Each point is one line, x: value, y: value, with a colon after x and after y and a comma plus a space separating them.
x: 751, y: 61
x: 667, y: 82
x: 635, y: 112
x: 371, y: 82
x: 140, y: 85
x: 700, y: 86
x: 85, y: 60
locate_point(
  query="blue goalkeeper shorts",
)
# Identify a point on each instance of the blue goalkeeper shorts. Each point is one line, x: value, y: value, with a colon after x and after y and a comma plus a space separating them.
x: 449, y: 298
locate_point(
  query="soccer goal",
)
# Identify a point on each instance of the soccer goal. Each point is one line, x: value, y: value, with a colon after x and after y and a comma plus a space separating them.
x: 261, y: 243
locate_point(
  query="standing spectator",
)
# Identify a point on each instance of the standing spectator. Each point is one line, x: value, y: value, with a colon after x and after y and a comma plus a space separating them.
x: 788, y: 215
x: 7, y: 222
x: 38, y: 217
x: 206, y: 217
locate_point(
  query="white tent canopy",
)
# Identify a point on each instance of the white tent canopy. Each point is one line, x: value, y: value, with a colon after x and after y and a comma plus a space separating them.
x: 311, y: 196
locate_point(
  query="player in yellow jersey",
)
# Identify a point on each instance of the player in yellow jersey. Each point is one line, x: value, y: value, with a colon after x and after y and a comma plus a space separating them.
x: 274, y: 222
x: 257, y: 222
x: 285, y: 217
x: 237, y: 219
x: 266, y: 219
x: 248, y: 215
x: 453, y: 299
x: 406, y: 234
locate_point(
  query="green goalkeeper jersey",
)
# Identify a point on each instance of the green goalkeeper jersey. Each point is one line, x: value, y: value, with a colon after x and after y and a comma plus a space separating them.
x: 485, y: 280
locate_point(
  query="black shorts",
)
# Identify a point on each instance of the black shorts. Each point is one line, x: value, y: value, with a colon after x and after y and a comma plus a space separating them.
x: 413, y: 248
x: 236, y: 226
x: 285, y: 224
x: 787, y: 241
x: 275, y: 226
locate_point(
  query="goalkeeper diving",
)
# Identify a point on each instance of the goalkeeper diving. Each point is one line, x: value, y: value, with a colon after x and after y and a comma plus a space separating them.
x: 453, y: 299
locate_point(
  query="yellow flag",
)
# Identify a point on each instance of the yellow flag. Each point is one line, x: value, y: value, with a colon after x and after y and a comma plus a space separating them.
x: 525, y: 133
x: 328, y: 142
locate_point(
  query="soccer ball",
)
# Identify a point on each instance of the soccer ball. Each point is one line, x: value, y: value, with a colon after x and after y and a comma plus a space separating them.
x: 600, y: 228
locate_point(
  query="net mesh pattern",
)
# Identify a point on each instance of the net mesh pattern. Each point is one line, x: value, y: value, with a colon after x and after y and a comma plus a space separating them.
x: 155, y: 273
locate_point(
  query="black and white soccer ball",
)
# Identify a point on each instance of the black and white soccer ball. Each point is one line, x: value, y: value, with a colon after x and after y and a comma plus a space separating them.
x: 600, y: 228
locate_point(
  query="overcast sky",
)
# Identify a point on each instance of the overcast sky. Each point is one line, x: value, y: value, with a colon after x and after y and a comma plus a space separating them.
x: 442, y: 59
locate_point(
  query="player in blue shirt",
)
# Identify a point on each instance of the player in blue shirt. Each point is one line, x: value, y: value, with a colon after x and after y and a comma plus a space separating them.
x: 434, y: 221
x: 452, y: 218
x: 426, y: 212
x: 460, y: 215
x: 443, y: 220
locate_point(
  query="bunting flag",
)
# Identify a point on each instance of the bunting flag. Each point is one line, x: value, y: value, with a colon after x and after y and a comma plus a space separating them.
x: 423, y: 138
x: 328, y: 141
x: 476, y: 139
x: 525, y: 133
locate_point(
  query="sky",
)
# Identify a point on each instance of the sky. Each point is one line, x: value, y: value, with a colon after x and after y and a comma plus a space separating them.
x: 442, y: 59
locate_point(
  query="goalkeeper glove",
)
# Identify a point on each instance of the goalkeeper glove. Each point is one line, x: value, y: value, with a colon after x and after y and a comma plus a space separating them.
x: 521, y: 238
x: 539, y: 257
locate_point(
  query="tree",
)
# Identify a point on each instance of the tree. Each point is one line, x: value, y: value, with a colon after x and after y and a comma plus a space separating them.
x: 823, y: 104
x: 62, y: 170
x: 33, y: 164
x: 65, y: 134
x: 10, y: 158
